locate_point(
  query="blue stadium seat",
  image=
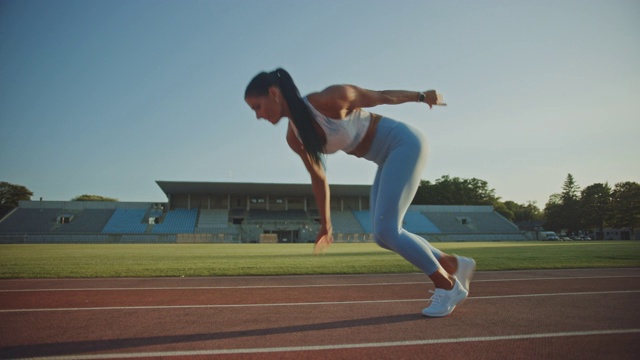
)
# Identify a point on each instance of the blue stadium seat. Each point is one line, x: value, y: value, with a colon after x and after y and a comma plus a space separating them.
x: 417, y: 223
x: 30, y: 221
x: 124, y: 221
x: 178, y: 221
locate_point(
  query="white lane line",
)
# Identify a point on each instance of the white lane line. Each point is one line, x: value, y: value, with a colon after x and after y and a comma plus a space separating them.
x: 305, y: 285
x: 215, y: 287
x: 213, y: 306
x: 553, y: 294
x: 345, y: 346
x: 260, y: 277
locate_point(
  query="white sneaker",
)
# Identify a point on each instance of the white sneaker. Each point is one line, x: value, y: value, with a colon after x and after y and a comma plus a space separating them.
x: 444, y: 301
x: 466, y: 267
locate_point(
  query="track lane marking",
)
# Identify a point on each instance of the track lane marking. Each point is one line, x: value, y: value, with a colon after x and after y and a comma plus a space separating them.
x: 213, y: 306
x: 346, y: 346
x: 302, y: 286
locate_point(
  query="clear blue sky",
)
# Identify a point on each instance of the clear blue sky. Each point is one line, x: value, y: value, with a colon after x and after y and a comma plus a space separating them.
x: 105, y: 97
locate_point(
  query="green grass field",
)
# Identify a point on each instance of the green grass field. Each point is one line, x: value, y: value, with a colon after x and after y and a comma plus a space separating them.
x: 140, y: 260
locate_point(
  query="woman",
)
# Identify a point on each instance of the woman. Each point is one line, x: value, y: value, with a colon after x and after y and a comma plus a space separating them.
x: 334, y: 119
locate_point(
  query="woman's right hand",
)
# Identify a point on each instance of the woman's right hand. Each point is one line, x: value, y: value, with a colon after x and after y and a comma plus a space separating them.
x: 324, y: 239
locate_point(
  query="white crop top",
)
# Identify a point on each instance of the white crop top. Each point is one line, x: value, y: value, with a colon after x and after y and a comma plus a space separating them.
x: 342, y: 134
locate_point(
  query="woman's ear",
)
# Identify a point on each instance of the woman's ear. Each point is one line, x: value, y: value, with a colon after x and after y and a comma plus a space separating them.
x: 275, y: 93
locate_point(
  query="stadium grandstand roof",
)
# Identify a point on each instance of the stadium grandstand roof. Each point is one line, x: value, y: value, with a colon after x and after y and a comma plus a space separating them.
x: 188, y: 187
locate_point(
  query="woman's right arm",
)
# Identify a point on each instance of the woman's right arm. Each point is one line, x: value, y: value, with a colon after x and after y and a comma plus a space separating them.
x: 321, y: 192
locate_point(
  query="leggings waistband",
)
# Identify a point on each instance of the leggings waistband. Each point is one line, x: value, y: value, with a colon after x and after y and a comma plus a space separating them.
x: 388, y: 134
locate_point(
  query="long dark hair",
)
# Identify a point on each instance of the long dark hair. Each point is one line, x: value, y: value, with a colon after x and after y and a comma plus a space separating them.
x: 300, y: 113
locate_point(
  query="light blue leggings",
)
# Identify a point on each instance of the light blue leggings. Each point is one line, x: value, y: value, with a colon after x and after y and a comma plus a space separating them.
x: 401, y: 154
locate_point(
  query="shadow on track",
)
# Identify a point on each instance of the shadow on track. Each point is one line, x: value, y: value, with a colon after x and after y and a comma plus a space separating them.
x: 95, y: 346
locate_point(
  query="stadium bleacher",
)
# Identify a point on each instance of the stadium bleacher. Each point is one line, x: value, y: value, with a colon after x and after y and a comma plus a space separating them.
x: 86, y: 221
x: 417, y: 223
x: 267, y: 215
x: 125, y: 221
x: 364, y: 218
x: 5, y: 210
x: 413, y: 221
x: 209, y: 219
x: 26, y: 220
x: 234, y: 220
x: 345, y: 222
x: 449, y: 222
x: 147, y: 239
x: 490, y: 222
x: 471, y: 222
x: 178, y: 221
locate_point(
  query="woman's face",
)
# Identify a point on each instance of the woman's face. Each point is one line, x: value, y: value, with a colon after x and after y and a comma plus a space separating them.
x: 269, y: 107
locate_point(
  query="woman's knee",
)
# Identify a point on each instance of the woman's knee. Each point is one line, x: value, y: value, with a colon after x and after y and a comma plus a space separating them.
x: 386, y: 235
x: 381, y: 243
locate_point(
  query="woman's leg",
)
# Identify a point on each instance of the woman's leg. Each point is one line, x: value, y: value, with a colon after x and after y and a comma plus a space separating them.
x: 372, y: 205
x: 401, y: 162
x: 396, y: 183
x: 448, y: 262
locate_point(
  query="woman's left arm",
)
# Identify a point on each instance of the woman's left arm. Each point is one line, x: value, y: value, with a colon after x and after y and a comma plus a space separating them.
x: 350, y: 97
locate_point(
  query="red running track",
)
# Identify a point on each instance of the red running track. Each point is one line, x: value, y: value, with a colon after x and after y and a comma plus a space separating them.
x: 553, y: 314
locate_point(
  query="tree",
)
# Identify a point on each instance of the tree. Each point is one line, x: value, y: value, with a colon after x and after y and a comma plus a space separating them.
x: 570, y: 205
x: 595, y: 201
x: 570, y: 190
x: 562, y: 210
x: 522, y: 212
x: 11, y: 194
x: 625, y: 205
x: 455, y: 191
x: 93, y: 198
x: 503, y: 210
x: 552, y: 213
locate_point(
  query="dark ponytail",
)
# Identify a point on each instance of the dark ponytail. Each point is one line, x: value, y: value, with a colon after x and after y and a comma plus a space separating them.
x: 300, y: 113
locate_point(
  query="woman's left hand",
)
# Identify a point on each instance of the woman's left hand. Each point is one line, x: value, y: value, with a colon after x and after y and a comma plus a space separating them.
x: 432, y: 97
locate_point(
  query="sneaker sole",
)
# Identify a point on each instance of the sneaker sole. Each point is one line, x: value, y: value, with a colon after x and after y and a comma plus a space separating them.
x: 438, y: 315
x: 463, y: 296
